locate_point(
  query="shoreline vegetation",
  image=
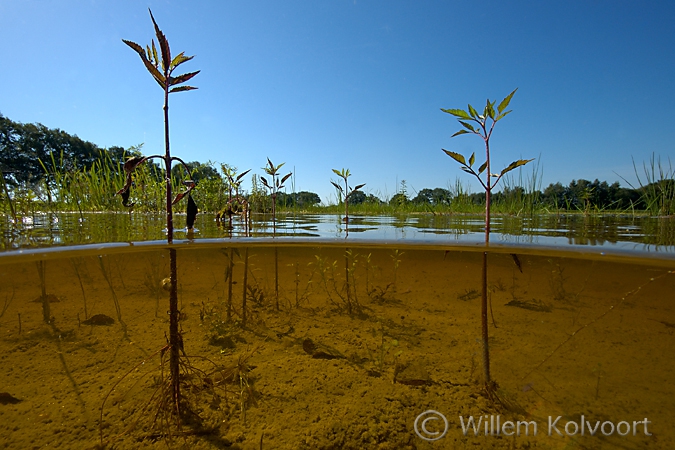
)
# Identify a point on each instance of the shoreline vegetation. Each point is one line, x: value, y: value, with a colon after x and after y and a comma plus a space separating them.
x: 48, y: 170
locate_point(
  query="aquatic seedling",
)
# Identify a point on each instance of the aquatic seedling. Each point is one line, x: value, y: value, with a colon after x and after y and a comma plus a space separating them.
x: 237, y: 204
x: 345, y: 192
x: 46, y: 313
x: 107, y: 275
x: 274, y: 185
x: 485, y: 124
x: 161, y: 66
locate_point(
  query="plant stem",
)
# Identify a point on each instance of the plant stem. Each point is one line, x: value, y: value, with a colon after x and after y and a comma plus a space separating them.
x: 243, y: 301
x: 174, y: 339
x: 167, y: 163
x: 484, y: 322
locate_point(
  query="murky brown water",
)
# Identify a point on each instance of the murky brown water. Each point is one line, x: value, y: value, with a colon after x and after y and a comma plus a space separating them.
x: 586, y: 338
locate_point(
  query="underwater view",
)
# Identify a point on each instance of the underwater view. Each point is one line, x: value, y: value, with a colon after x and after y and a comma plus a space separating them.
x: 171, y: 287
x: 325, y: 342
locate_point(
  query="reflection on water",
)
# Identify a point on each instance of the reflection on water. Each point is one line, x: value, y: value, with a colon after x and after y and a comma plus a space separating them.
x: 366, y: 337
x: 613, y: 232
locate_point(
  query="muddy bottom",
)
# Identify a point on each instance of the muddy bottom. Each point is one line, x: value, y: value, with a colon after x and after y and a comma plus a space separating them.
x: 327, y: 347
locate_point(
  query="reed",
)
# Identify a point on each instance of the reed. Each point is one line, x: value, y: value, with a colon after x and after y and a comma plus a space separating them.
x: 657, y: 185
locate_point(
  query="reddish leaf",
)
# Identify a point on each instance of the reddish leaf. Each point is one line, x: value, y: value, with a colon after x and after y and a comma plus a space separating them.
x: 163, y: 44
x: 182, y: 88
x: 192, y: 211
x: 182, y: 78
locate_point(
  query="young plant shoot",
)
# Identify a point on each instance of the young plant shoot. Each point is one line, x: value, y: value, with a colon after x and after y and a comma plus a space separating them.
x: 161, y: 66
x: 345, y: 192
x: 482, y: 125
x: 274, y: 185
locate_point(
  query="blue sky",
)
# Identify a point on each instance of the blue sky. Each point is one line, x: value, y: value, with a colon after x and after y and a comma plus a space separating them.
x: 355, y: 84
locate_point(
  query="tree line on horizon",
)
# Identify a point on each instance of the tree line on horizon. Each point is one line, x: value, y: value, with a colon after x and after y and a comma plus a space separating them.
x: 32, y: 154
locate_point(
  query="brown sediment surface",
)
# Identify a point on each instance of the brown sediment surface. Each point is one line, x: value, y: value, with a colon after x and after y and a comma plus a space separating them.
x: 570, y: 338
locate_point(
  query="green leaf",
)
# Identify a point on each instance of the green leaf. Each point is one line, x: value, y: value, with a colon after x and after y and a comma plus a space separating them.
x: 504, y: 103
x: 339, y: 188
x: 459, y: 132
x: 489, y: 111
x: 473, y: 112
x: 501, y: 116
x: 182, y: 78
x: 514, y: 164
x: 182, y: 88
x: 155, y: 59
x: 468, y: 126
x: 157, y: 75
x: 456, y: 156
x: 457, y: 113
x: 472, y: 159
x: 482, y: 167
x: 358, y: 187
x: 179, y: 59
x: 338, y: 173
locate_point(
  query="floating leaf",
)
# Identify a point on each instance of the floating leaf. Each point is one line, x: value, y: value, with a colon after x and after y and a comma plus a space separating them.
x: 504, y: 103
x: 457, y: 113
x: 191, y: 213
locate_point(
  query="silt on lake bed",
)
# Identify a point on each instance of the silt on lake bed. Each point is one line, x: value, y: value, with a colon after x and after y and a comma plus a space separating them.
x: 368, y: 336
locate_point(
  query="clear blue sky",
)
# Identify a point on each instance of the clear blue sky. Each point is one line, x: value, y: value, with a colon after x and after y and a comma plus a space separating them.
x: 354, y: 83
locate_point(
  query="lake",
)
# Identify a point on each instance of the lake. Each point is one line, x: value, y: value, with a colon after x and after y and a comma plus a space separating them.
x: 327, y: 337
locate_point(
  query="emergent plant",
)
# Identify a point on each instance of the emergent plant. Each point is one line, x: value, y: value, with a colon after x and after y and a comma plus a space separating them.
x: 161, y: 66
x: 345, y: 192
x: 482, y: 125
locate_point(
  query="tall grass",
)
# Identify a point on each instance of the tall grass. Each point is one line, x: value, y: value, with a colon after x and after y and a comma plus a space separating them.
x: 657, y: 185
x: 92, y: 190
x: 522, y: 195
